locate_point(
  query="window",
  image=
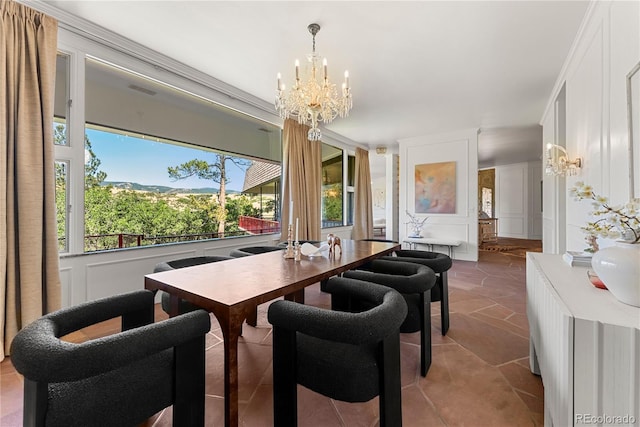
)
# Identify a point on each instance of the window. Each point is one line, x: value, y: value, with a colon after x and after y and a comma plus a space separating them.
x: 60, y: 141
x: 351, y: 182
x: 332, y: 201
x: 161, y: 164
x: 62, y: 203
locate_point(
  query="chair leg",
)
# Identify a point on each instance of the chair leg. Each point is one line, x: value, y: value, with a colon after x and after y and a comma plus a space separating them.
x: 252, y: 319
x: 188, y: 407
x: 36, y: 400
x: 425, y: 332
x: 444, y: 303
x: 285, y: 397
x: 390, y: 398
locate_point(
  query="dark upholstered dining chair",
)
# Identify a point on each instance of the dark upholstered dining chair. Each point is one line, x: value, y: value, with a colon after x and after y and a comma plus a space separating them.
x: 253, y: 250
x: 414, y: 282
x: 117, y: 380
x: 184, y: 306
x: 302, y: 242
x: 352, y: 357
x: 440, y: 264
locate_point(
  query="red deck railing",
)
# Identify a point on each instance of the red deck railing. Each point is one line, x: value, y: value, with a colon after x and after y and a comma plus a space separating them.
x: 258, y: 225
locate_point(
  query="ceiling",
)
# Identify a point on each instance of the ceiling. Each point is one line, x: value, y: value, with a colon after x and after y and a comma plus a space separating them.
x: 416, y: 68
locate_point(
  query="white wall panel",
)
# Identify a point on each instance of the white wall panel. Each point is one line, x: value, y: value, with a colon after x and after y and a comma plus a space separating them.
x: 512, y: 193
x: 91, y: 276
x: 607, y: 47
x: 460, y: 147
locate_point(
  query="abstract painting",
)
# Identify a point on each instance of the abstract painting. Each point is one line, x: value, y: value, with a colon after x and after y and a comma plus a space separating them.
x: 436, y: 188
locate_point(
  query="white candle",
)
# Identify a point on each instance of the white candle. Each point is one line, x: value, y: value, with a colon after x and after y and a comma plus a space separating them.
x: 296, y: 229
x: 279, y: 77
x: 297, y: 69
x: 290, y: 212
x: 324, y: 65
x: 346, y: 78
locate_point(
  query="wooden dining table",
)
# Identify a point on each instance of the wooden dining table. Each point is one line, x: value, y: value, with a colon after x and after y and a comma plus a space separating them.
x: 232, y: 290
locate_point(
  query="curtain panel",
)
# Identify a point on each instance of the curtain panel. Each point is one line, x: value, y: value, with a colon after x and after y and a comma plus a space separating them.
x: 363, y: 205
x: 302, y: 181
x: 29, y: 272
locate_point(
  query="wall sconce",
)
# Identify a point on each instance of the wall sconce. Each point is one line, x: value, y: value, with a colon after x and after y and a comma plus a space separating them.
x: 381, y: 150
x: 558, y: 162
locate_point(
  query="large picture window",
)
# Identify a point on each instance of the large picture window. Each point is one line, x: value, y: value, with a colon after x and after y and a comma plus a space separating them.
x: 162, y: 165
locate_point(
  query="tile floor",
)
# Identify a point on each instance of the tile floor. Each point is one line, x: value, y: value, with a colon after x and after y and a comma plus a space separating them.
x: 479, y: 375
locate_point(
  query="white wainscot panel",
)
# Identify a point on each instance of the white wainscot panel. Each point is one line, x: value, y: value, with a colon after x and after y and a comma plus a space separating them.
x: 124, y: 275
x: 512, y: 227
x: 66, y: 282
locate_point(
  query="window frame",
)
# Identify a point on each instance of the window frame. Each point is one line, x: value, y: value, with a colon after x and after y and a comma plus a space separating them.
x: 79, y: 47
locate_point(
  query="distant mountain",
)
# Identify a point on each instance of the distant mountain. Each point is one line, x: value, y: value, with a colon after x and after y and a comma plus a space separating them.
x: 163, y: 189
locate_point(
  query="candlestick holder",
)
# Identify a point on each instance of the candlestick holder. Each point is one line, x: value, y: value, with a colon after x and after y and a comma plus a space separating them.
x: 296, y: 251
x: 289, y: 252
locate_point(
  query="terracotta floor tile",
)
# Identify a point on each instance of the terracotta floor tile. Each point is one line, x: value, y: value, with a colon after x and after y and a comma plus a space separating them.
x: 521, y: 379
x: 10, y: 394
x: 519, y: 320
x: 363, y: 414
x: 259, y: 411
x: 316, y: 410
x: 470, y: 305
x: 535, y: 404
x: 496, y: 311
x: 513, y: 302
x: 502, y: 324
x: 456, y: 294
x: 494, y: 345
x: 472, y: 384
x: 417, y: 410
x: 253, y: 361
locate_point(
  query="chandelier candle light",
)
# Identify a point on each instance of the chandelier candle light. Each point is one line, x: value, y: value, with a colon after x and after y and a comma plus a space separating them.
x: 313, y: 99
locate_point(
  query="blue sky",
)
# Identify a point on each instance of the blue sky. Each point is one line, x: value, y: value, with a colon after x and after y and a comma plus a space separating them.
x: 127, y: 158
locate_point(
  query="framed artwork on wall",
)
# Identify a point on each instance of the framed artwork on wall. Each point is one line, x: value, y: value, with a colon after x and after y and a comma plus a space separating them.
x: 435, y: 188
x: 633, y: 114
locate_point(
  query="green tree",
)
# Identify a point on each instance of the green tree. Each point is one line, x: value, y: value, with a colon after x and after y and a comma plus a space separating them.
x: 216, y: 172
x: 332, y: 202
x: 93, y: 176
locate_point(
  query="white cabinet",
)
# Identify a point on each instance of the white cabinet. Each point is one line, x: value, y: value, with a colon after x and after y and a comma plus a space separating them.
x: 584, y: 343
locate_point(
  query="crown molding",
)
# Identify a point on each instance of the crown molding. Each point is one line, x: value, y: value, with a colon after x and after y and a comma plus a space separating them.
x: 101, y: 35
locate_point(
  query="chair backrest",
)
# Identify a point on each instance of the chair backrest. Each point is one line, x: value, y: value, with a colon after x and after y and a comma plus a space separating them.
x: 187, y: 262
x: 184, y: 306
x: 404, y: 277
x: 82, y: 383
x: 351, y: 357
x: 253, y: 250
x: 339, y: 338
x: 313, y: 242
x: 379, y: 240
x: 436, y: 261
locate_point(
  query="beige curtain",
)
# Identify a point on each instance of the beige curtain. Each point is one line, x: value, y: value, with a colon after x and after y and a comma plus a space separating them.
x: 301, y: 180
x: 29, y: 275
x: 363, y: 207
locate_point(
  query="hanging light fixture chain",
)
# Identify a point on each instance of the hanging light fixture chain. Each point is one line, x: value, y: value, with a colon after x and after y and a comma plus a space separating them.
x: 313, y: 29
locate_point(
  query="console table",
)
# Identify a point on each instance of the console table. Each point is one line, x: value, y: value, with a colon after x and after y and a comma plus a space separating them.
x: 413, y: 242
x: 584, y: 343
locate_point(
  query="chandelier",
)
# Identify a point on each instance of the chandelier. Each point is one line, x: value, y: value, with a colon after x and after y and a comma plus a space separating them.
x: 558, y: 162
x: 313, y: 98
